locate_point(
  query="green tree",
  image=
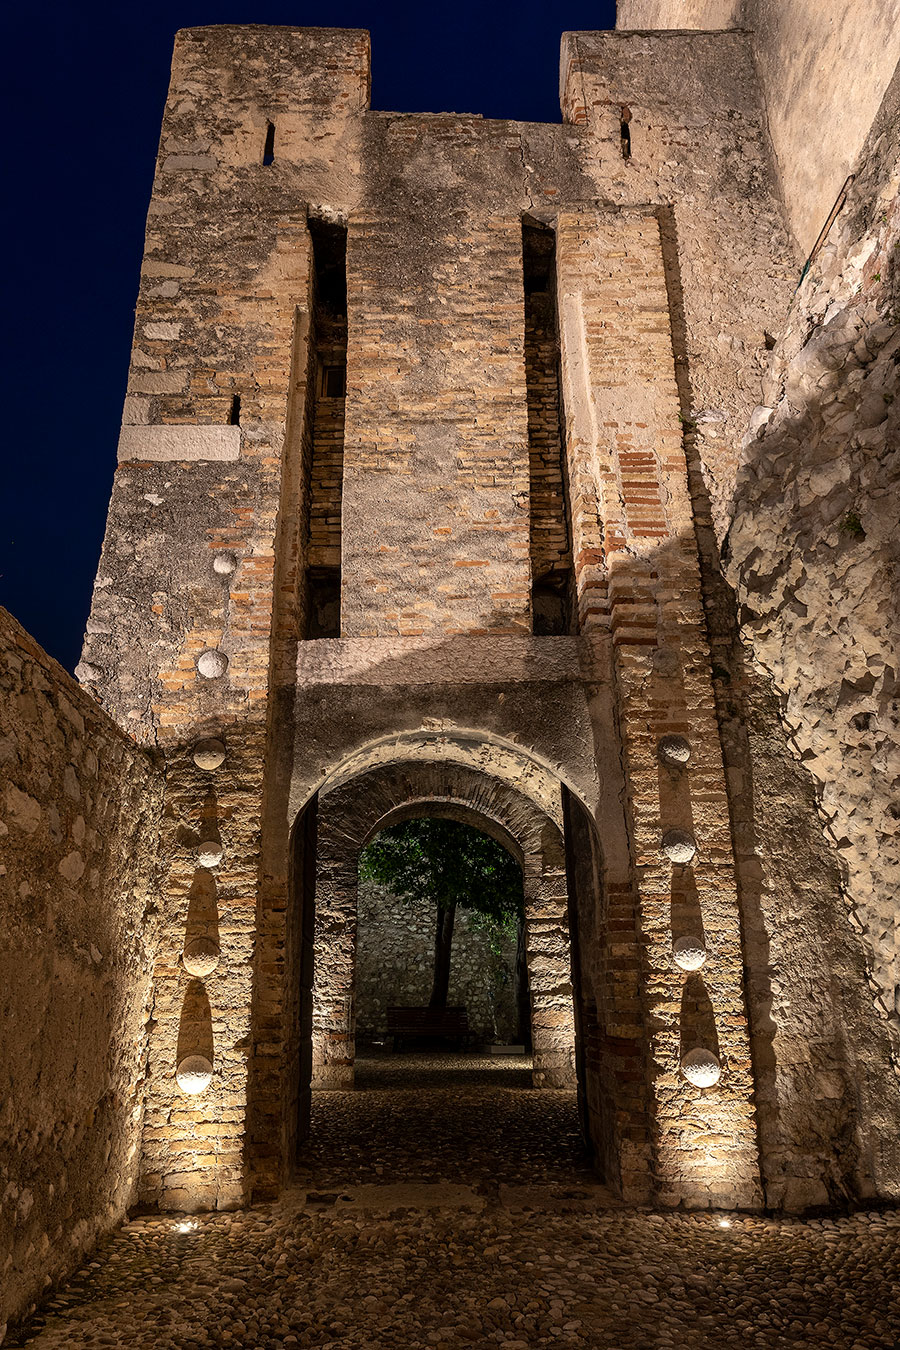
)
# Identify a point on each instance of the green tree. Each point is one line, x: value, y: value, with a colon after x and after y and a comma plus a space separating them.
x: 450, y: 865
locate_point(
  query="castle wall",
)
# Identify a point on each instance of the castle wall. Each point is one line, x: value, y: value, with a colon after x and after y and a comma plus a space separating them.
x: 814, y: 558
x: 699, y: 151
x: 435, y: 460
x: 79, y: 814
x: 696, y: 90
x: 824, y: 70
x: 206, y: 544
x: 621, y: 396
x: 666, y: 298
x: 703, y: 15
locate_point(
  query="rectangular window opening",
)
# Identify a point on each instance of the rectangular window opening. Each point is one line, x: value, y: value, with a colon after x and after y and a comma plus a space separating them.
x: 326, y: 454
x: 234, y: 415
x: 323, y: 591
x: 334, y: 380
x: 552, y: 573
x: 269, y: 147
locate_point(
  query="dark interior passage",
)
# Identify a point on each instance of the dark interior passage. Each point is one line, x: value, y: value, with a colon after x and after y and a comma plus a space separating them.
x: 328, y: 377
x: 443, y: 1084
x: 550, y: 540
x: 469, y: 1118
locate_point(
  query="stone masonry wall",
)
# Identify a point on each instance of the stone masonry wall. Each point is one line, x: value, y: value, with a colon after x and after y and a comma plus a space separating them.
x: 395, y: 959
x: 824, y: 69
x: 435, y: 535
x: 79, y: 808
x: 621, y: 399
x: 699, y: 150
x: 787, y: 874
x: 207, y: 534
x: 814, y: 554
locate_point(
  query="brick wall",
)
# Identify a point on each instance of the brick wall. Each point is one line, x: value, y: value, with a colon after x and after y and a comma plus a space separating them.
x: 435, y: 460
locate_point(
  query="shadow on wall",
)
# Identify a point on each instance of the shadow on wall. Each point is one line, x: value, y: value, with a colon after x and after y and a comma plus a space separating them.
x: 800, y: 964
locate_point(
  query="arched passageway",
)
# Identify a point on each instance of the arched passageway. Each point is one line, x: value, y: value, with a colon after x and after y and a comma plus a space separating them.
x: 351, y: 815
x: 567, y: 939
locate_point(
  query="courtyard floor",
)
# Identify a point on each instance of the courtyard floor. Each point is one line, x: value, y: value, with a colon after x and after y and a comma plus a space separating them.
x: 446, y: 1204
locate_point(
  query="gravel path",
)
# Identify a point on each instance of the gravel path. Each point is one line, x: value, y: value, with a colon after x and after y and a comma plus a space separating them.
x: 441, y: 1255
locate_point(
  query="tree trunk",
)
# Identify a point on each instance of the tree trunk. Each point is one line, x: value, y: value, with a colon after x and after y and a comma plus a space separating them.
x: 523, y: 997
x: 443, y: 942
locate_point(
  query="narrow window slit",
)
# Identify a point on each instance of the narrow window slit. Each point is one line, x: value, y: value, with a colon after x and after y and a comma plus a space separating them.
x: 269, y: 148
x: 234, y: 415
x: 625, y: 130
x: 552, y: 574
x: 327, y: 385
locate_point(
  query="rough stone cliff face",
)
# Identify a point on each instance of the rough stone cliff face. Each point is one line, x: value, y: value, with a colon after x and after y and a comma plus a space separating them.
x: 814, y: 546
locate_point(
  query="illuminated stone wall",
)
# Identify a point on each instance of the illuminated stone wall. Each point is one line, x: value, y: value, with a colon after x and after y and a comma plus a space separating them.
x: 189, y: 592
x: 663, y: 301
x: 814, y: 557
x: 395, y: 966
x: 79, y: 914
x: 824, y: 70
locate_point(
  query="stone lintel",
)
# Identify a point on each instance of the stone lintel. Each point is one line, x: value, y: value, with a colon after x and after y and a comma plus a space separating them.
x: 475, y: 659
x: 186, y: 442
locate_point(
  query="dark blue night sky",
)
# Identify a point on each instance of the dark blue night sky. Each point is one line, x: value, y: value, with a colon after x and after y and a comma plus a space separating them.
x: 86, y: 84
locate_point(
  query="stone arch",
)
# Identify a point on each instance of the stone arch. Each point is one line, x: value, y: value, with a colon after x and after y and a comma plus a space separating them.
x: 351, y: 814
x: 521, y: 767
x: 552, y: 832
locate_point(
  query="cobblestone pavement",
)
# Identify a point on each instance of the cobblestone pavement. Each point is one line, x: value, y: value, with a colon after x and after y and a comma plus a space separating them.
x: 461, y: 1118
x: 441, y: 1255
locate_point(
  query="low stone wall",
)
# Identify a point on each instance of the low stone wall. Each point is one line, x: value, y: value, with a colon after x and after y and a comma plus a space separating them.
x: 79, y: 807
x: 394, y: 964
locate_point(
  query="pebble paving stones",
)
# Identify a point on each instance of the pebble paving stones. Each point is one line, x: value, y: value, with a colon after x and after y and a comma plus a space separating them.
x: 439, y: 1252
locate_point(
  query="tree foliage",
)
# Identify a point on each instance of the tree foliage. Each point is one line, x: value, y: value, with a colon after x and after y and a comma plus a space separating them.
x: 447, y: 863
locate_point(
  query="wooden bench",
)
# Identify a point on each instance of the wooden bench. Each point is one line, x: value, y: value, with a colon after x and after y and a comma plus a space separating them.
x: 421, y: 1024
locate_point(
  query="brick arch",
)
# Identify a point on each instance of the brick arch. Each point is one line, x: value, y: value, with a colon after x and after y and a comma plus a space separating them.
x: 353, y: 813
x: 558, y: 846
x: 493, y: 756
x: 360, y: 806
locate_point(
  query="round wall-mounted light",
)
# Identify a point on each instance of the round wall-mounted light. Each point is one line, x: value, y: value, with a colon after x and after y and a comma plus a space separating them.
x: 210, y: 853
x: 689, y: 953
x: 209, y: 754
x: 701, y: 1067
x: 212, y: 663
x: 224, y: 564
x: 679, y: 846
x: 194, y: 1074
x: 674, y: 750
x: 200, y: 956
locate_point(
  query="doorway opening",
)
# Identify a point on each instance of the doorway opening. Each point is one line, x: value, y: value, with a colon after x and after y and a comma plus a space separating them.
x: 435, y: 1014
x: 339, y: 1102
x: 440, y: 962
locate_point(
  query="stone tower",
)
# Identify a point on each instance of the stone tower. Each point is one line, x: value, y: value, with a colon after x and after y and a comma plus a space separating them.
x: 403, y: 519
x: 431, y: 442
